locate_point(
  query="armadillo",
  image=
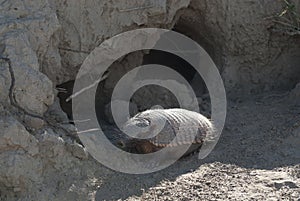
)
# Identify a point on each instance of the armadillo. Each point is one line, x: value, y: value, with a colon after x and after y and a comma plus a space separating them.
x: 191, y: 128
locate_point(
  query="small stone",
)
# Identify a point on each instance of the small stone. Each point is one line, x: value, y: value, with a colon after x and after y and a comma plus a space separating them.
x: 17, y: 189
x: 78, y: 151
x: 33, y: 122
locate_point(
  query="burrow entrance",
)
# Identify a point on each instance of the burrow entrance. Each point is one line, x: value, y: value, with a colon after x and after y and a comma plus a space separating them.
x: 148, y: 96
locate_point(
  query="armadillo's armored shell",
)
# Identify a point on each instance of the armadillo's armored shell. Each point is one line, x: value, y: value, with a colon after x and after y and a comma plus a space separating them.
x: 180, y: 127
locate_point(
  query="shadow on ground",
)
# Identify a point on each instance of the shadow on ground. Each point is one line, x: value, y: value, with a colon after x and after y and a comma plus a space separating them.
x: 263, y: 133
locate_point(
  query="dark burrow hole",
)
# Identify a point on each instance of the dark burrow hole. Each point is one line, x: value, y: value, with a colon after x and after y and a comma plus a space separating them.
x: 65, y: 90
x: 144, y: 98
x: 152, y: 95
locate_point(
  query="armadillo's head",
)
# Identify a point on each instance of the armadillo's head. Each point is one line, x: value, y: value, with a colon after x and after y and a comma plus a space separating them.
x: 141, y: 127
x: 133, y: 128
x: 145, y: 125
x: 138, y: 127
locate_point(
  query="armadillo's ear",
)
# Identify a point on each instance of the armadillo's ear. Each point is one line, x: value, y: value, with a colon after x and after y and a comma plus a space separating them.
x: 148, y: 121
x: 143, y: 123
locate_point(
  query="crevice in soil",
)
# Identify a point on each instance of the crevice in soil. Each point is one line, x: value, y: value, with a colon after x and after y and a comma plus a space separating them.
x: 72, y: 50
x: 11, y: 93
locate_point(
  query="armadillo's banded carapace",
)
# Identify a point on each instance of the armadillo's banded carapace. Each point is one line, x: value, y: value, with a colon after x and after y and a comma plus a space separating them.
x: 168, y: 128
x: 182, y: 127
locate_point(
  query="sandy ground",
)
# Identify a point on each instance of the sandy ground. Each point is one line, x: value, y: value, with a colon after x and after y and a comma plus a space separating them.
x: 257, y: 158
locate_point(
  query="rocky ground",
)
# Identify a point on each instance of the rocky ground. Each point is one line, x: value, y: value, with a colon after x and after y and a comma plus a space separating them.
x: 257, y: 158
